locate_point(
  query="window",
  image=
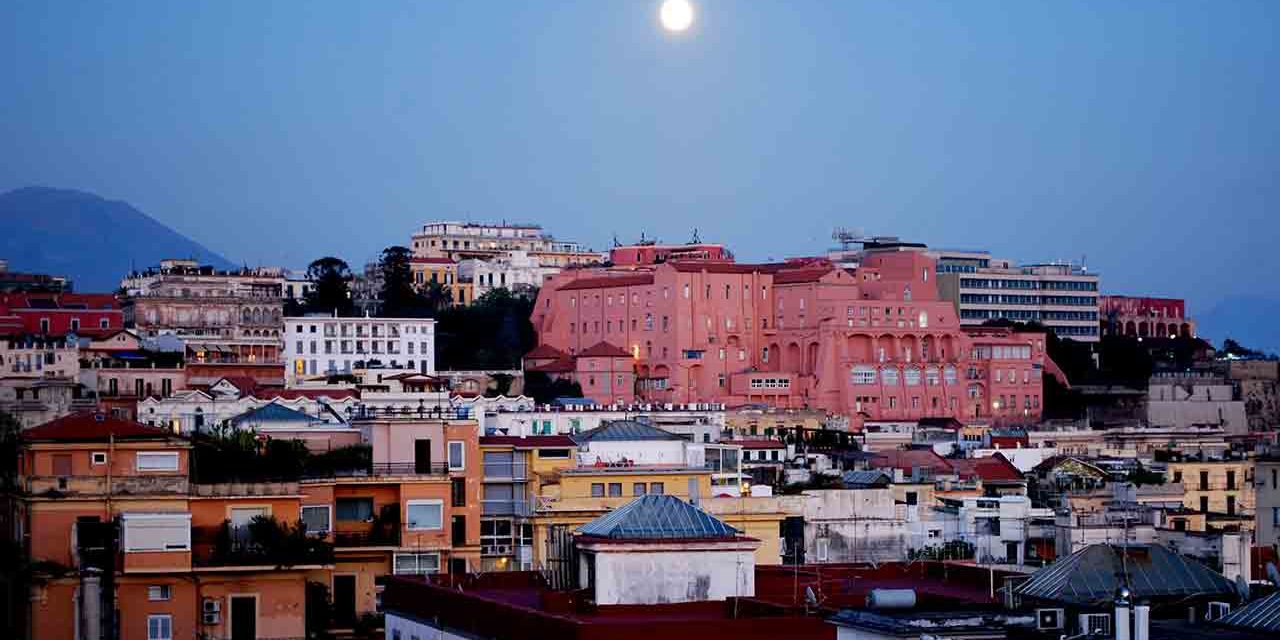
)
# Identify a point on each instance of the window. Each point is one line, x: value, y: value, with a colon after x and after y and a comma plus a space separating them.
x: 354, y: 509
x: 316, y: 519
x: 553, y: 453
x: 912, y: 497
x: 157, y: 531
x: 458, y: 492
x: 98, y: 457
x: 597, y: 490
x: 911, y: 376
x: 159, y: 592
x: 656, y: 488
x: 615, y: 489
x: 160, y: 627
x: 1275, y: 516
x: 889, y: 376
x: 416, y: 563
x: 158, y: 461
x: 457, y: 455
x: 424, y: 515
x: 638, y: 489
x: 864, y: 375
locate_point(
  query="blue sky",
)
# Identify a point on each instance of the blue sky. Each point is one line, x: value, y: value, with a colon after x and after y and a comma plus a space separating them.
x: 1142, y: 136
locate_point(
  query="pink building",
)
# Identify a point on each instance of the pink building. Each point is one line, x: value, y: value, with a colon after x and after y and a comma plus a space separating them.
x: 653, y: 253
x: 1146, y: 317
x: 873, y: 343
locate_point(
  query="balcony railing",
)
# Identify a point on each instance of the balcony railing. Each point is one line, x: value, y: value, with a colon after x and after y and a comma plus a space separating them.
x: 263, y: 542
x: 504, y: 471
x: 382, y: 469
x: 97, y: 485
x: 373, y: 536
x: 506, y: 508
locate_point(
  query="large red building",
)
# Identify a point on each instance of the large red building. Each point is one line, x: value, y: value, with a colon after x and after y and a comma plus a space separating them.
x: 1146, y: 317
x: 872, y: 342
x: 38, y: 313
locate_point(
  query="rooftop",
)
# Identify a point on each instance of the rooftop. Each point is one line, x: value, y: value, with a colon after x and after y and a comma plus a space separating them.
x: 93, y: 426
x: 658, y: 517
x: 1092, y: 576
x: 625, y: 430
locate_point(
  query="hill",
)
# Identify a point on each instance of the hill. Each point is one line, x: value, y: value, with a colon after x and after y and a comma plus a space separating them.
x: 92, y: 240
x: 1248, y: 320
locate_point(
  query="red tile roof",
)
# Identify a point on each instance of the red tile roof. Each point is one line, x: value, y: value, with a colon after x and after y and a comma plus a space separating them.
x: 563, y: 365
x: 604, y: 350
x: 545, y: 351
x: 989, y: 469
x: 629, y: 280
x: 797, y: 276
x: 528, y: 441
x: 93, y: 426
x: 908, y: 459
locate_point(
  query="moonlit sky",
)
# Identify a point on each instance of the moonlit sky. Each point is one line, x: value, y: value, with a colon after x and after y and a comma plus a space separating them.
x: 1141, y: 135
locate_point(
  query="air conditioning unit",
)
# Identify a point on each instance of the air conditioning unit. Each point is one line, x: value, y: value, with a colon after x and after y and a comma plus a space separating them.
x: 1217, y: 610
x: 1095, y: 624
x: 1049, y: 619
x: 210, y: 618
x: 211, y: 605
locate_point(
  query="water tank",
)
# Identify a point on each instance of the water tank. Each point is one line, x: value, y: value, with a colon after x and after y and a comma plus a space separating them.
x: 891, y: 599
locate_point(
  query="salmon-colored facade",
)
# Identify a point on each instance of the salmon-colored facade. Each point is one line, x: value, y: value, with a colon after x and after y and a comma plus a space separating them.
x: 873, y: 342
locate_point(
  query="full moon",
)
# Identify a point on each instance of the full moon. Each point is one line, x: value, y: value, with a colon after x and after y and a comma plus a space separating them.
x: 676, y: 15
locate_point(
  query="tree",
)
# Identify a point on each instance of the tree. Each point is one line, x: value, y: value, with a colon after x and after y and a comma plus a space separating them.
x: 438, y: 298
x: 493, y: 333
x: 332, y: 290
x: 400, y: 299
x: 543, y: 389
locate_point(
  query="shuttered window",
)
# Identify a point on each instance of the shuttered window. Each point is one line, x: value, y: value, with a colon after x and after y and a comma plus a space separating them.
x: 157, y: 532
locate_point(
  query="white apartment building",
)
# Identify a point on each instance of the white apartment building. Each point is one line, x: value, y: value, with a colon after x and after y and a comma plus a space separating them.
x: 513, y: 271
x: 462, y: 240
x: 1061, y: 296
x: 321, y: 345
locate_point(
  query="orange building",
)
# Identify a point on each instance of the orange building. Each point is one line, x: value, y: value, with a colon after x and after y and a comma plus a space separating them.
x: 117, y: 535
x: 415, y: 511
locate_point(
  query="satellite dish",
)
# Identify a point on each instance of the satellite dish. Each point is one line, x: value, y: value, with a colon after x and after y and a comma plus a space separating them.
x: 1273, y: 574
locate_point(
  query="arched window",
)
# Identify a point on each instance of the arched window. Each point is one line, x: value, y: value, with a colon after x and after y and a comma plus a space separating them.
x: 911, y: 376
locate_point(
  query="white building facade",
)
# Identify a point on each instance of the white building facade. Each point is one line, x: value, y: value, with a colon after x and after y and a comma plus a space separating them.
x: 317, y: 346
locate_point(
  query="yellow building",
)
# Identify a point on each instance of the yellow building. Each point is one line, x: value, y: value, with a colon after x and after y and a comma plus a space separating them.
x: 444, y: 272
x: 1223, y: 489
x: 746, y: 422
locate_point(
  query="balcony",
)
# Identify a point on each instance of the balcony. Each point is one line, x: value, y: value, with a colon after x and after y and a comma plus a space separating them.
x: 263, y: 542
x: 380, y: 469
x: 503, y: 472
x: 374, y: 535
x: 519, y: 508
x: 97, y: 485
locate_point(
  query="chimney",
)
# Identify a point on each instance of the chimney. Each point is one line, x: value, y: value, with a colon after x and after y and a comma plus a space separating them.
x: 91, y: 604
x: 1122, y: 615
x: 1142, y: 622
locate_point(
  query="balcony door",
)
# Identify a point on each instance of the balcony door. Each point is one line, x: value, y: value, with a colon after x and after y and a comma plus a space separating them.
x: 344, y: 601
x: 422, y: 456
x: 244, y: 617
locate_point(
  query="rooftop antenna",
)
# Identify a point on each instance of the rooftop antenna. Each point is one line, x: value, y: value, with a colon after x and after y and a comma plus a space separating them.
x: 696, y: 240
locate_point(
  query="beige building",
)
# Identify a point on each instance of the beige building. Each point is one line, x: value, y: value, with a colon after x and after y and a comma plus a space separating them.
x: 1218, y: 488
x: 461, y: 240
x: 223, y: 316
x: 1267, y: 486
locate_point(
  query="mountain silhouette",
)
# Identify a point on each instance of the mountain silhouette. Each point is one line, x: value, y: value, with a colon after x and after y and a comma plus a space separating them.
x: 87, y: 238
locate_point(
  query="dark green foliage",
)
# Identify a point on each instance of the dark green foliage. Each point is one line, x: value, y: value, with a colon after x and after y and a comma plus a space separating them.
x: 501, y: 385
x: 267, y: 541
x: 543, y: 389
x: 332, y: 290
x: 1236, y: 350
x: 229, y: 455
x: 493, y: 333
x: 1143, y: 475
x: 400, y: 299
x: 10, y: 442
